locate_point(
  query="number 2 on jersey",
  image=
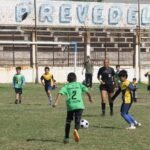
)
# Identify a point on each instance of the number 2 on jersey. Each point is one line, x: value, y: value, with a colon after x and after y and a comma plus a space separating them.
x: 74, y: 95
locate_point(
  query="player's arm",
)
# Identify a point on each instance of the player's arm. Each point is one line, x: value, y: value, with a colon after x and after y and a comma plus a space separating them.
x: 63, y: 91
x: 23, y: 81
x: 89, y: 96
x: 42, y: 80
x: 132, y: 87
x: 146, y: 74
x: 13, y: 82
x: 57, y: 100
x: 98, y: 74
x: 116, y: 94
x: 83, y: 68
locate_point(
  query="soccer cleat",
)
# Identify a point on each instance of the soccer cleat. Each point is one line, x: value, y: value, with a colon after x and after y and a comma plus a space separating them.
x: 66, y: 140
x: 103, y: 114
x: 111, y: 113
x: 76, y: 135
x: 138, y: 124
x: 16, y: 101
x: 131, y: 128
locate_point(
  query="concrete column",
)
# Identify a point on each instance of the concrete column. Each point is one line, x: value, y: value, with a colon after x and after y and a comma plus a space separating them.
x: 137, y: 60
x: 88, y: 47
x: 33, y: 58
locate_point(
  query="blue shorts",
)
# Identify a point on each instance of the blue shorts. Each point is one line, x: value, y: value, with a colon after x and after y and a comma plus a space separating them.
x: 48, y: 87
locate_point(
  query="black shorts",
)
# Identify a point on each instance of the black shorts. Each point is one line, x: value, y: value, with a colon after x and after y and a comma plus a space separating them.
x: 18, y: 90
x: 48, y: 88
x: 74, y: 113
x: 109, y: 88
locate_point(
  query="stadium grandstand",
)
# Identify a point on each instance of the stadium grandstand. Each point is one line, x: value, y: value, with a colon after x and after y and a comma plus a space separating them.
x: 118, y: 42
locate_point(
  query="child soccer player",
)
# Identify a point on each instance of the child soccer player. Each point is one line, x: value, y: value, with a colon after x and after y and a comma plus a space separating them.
x: 18, y: 83
x: 134, y: 83
x: 148, y: 75
x: 73, y: 90
x: 126, y: 87
x: 47, y: 81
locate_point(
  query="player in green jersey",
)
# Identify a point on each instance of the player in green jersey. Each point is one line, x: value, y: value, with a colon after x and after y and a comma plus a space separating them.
x: 18, y: 83
x: 73, y: 90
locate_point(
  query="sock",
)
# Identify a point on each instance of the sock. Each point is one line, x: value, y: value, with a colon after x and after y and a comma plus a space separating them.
x: 16, y: 101
x: 111, y: 107
x: 67, y: 129
x: 50, y: 99
x: 103, y: 105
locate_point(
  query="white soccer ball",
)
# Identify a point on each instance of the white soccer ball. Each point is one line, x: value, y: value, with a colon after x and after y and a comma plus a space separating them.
x: 84, y: 123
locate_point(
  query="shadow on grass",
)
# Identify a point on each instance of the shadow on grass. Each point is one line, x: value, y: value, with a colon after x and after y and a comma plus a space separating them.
x: 43, y: 140
x: 107, y: 127
x: 89, y: 115
x: 27, y: 104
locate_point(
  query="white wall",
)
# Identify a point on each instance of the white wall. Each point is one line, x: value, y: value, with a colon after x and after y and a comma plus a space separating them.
x: 60, y: 74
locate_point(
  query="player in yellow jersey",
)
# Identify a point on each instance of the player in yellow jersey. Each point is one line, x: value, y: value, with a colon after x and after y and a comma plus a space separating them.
x: 47, y: 81
x: 126, y: 87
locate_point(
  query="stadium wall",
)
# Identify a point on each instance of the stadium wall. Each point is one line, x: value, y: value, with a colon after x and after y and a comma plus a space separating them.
x: 60, y: 74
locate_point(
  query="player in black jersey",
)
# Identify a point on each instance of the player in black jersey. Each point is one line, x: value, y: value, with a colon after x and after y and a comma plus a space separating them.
x: 106, y: 76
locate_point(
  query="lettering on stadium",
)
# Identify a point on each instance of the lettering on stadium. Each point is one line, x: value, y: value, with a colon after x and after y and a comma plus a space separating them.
x: 77, y: 14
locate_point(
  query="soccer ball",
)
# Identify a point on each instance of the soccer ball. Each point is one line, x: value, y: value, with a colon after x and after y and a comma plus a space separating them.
x: 84, y: 123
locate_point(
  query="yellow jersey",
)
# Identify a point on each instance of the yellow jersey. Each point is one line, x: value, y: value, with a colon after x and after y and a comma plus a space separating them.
x: 126, y: 92
x: 48, y: 78
x: 125, y: 87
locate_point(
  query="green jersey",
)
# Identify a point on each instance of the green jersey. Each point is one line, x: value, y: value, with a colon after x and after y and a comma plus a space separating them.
x: 18, y: 81
x: 74, y: 91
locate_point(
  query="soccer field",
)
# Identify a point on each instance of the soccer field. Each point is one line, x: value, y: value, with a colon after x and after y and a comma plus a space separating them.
x: 34, y: 125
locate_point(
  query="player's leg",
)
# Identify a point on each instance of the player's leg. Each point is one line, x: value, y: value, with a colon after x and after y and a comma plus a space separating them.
x: 134, y: 121
x: 49, y: 95
x: 86, y: 79
x: 16, y: 96
x: 68, y: 125
x: 124, y: 113
x: 104, y: 97
x: 110, y: 90
x: 90, y: 80
x: 78, y: 114
x: 20, y: 96
x: 111, y: 103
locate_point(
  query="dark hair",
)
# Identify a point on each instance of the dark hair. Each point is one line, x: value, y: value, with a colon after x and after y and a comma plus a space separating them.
x: 71, y: 77
x: 123, y: 73
x: 46, y: 68
x: 134, y: 79
x: 18, y: 68
x: 117, y: 66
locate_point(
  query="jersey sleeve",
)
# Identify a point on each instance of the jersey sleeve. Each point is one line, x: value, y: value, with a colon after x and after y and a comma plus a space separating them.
x: 84, y: 88
x: 63, y: 91
x: 42, y: 78
x: 99, y: 73
x: 113, y: 72
x: 23, y: 80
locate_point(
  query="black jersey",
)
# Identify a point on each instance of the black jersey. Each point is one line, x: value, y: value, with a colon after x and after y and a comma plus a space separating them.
x: 106, y: 74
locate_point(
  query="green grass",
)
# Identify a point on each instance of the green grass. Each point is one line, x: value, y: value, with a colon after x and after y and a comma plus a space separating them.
x: 34, y: 125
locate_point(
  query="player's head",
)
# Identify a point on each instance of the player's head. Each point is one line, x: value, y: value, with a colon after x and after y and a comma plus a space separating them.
x: 71, y: 77
x: 123, y: 75
x: 118, y: 67
x: 46, y: 69
x: 18, y: 70
x: 106, y: 62
x: 134, y: 79
x: 88, y: 58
